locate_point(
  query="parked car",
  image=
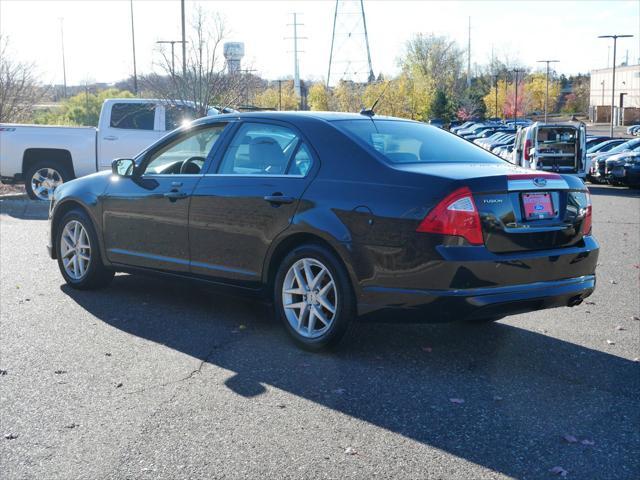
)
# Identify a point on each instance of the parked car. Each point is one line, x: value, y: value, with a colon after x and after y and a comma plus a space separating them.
x: 499, y: 137
x: 598, y: 172
x: 416, y: 225
x: 598, y: 149
x: 595, y: 140
x: 462, y: 126
x: 43, y: 157
x: 437, y: 122
x: 627, y: 171
x: 559, y: 147
x: 633, y: 129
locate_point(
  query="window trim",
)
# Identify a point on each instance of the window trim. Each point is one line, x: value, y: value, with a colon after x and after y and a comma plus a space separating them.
x: 215, y: 166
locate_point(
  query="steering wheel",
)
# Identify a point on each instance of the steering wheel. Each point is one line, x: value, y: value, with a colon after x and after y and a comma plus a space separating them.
x: 192, y: 165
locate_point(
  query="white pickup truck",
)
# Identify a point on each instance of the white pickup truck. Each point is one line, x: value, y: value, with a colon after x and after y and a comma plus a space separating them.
x: 43, y: 157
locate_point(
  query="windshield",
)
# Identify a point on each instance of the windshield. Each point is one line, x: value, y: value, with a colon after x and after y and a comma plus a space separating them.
x: 625, y: 146
x: 411, y: 142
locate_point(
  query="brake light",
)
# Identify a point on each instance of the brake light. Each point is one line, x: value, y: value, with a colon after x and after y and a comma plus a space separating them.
x: 586, y: 226
x: 527, y: 147
x: 455, y: 215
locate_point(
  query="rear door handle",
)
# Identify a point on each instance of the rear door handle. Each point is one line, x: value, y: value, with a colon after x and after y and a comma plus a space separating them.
x: 279, y: 199
x: 175, y: 195
x: 110, y: 137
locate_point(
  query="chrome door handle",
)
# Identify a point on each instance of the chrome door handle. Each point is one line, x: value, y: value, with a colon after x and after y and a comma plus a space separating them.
x: 110, y: 137
x: 175, y: 195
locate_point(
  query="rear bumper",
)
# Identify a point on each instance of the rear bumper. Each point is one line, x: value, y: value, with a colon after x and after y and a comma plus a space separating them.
x: 434, y: 306
x: 473, y: 283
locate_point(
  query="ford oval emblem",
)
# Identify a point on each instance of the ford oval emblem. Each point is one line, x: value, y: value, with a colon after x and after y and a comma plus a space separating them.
x: 539, y: 182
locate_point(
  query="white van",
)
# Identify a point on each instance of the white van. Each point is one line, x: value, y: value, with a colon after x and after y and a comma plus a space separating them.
x: 558, y: 147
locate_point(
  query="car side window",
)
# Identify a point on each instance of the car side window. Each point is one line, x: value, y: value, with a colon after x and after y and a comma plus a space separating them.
x: 133, y: 116
x: 186, y: 155
x: 264, y: 149
x: 177, y: 115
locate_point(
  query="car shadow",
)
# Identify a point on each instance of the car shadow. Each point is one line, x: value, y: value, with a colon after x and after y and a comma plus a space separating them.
x: 612, y: 191
x: 24, y: 209
x: 521, y: 390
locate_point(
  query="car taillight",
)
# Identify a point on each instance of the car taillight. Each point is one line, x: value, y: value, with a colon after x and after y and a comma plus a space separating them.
x: 586, y: 226
x: 527, y: 147
x: 455, y: 215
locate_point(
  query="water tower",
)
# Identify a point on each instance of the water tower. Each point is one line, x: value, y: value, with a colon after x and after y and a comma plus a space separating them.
x: 233, y: 53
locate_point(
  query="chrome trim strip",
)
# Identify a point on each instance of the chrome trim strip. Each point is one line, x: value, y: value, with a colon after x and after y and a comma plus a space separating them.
x: 528, y: 184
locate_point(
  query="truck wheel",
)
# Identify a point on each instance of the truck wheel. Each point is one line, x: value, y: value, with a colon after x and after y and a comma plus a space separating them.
x: 42, y: 178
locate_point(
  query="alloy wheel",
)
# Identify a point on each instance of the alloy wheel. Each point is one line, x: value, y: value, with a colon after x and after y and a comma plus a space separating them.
x: 44, y: 181
x: 75, y: 250
x: 309, y: 298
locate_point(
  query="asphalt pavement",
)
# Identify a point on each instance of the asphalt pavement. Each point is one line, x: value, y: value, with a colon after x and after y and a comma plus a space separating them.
x: 154, y: 379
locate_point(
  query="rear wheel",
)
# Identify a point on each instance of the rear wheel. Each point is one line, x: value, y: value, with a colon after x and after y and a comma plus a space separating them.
x: 313, y: 297
x: 42, y: 178
x: 78, y: 253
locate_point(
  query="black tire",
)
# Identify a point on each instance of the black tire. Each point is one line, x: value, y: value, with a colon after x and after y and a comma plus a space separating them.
x: 96, y: 275
x: 60, y: 170
x: 345, y: 301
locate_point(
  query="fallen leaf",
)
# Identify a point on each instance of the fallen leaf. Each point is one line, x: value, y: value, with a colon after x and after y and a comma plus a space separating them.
x: 611, y: 342
x: 350, y: 451
x: 636, y: 318
x: 570, y: 439
x: 72, y: 425
x: 107, y: 354
x: 3, y: 372
x: 620, y: 328
x: 11, y: 436
x: 457, y: 401
x: 60, y: 372
x: 281, y: 405
x: 119, y: 385
x: 559, y: 471
x: 589, y: 303
x: 587, y: 442
x: 613, y: 282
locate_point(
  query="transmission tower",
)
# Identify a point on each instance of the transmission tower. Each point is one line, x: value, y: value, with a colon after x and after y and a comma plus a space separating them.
x: 350, y: 57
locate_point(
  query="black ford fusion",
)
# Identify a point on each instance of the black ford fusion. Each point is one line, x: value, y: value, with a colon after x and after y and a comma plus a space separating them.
x: 333, y: 217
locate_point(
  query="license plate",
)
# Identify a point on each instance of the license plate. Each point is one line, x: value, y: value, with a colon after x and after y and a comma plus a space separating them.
x: 537, y: 206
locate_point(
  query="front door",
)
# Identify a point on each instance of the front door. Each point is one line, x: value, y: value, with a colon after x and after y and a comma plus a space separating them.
x: 246, y: 200
x: 145, y: 217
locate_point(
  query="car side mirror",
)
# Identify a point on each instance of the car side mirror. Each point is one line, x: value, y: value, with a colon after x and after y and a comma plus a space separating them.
x: 123, y: 167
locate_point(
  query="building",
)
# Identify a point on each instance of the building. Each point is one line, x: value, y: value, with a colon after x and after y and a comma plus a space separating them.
x: 627, y: 95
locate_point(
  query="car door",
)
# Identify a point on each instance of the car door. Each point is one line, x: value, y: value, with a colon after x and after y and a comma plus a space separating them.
x: 145, y: 217
x: 128, y: 129
x: 248, y: 198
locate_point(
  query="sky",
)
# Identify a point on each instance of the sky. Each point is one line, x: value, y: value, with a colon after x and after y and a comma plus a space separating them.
x: 97, y: 33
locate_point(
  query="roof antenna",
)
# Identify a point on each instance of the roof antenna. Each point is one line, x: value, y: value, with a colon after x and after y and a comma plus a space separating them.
x: 369, y: 112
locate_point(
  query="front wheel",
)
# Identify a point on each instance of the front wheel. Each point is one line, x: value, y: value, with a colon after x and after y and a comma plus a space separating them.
x: 78, y: 253
x: 313, y: 297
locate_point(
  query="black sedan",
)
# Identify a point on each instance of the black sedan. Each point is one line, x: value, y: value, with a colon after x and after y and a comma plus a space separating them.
x: 333, y: 217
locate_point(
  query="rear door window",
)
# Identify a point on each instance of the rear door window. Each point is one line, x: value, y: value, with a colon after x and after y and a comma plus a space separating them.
x: 133, y: 116
x: 265, y: 149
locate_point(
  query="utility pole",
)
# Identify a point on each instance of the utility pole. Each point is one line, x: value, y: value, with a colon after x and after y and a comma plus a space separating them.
x: 296, y: 63
x: 173, y: 57
x: 602, y: 83
x: 184, y: 43
x: 133, y: 45
x: 64, y: 67
x: 546, y: 97
x: 495, y: 80
x: 469, y: 57
x: 613, y: 79
x: 279, y: 95
x: 515, y: 110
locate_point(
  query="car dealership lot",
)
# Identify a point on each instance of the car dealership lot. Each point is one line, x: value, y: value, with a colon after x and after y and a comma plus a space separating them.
x: 154, y: 379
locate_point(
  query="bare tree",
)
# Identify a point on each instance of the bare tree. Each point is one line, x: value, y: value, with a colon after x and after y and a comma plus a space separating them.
x: 19, y: 89
x: 205, y: 82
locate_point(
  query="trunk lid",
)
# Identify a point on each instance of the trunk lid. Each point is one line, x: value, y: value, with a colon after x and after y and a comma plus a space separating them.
x: 519, y: 209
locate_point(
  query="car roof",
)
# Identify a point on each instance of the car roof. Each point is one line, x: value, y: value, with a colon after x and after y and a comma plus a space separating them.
x: 292, y: 116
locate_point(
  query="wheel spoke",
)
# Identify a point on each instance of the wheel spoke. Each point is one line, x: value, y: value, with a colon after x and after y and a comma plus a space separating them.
x: 317, y: 278
x: 302, y: 315
x: 318, y: 313
x: 294, y: 291
x: 308, y: 274
x: 312, y: 320
x: 299, y: 277
x: 74, y: 260
x: 296, y: 305
x: 324, y: 301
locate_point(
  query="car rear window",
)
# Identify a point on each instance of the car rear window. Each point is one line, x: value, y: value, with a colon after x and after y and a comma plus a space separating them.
x: 411, y: 142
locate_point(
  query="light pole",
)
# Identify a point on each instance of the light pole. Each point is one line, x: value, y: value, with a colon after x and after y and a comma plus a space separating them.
x: 64, y: 67
x: 173, y: 56
x: 184, y: 43
x: 546, y: 97
x: 495, y: 79
x: 133, y: 46
x: 613, y: 78
x: 515, y: 110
